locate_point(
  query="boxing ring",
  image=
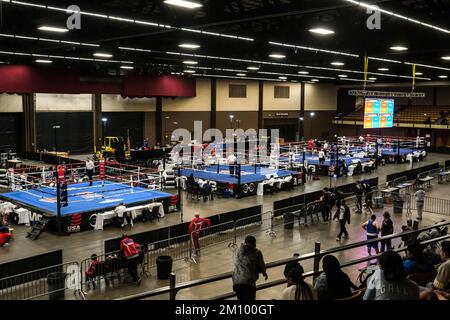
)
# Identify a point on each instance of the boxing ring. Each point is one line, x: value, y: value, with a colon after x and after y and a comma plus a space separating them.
x: 37, y: 192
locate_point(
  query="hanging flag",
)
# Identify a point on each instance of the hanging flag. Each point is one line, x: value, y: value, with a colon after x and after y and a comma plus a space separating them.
x: 128, y: 140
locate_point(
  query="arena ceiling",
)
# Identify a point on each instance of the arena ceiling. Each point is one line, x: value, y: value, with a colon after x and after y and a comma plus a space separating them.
x: 144, y: 36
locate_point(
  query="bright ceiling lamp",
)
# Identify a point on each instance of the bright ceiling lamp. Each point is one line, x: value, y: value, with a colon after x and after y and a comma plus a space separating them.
x: 443, y: 77
x: 241, y: 74
x: 190, y: 62
x: 189, y: 46
x: 189, y: 71
x: 322, y: 31
x: 342, y: 76
x: 127, y: 67
x: 372, y: 78
x: 337, y: 63
x: 398, y: 48
x: 282, y: 78
x: 277, y: 56
x: 383, y: 69
x: 53, y: 29
x: 447, y: 58
x: 184, y: 4
x: 253, y: 68
x: 103, y: 55
x: 303, y: 72
x: 419, y: 74
x: 43, y: 61
x: 315, y: 80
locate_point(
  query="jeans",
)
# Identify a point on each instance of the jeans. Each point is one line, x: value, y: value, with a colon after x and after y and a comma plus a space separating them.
x: 359, y: 203
x: 132, y: 268
x: 245, y: 292
x: 419, y: 209
x: 386, y: 245
x: 90, y: 173
x: 343, y: 229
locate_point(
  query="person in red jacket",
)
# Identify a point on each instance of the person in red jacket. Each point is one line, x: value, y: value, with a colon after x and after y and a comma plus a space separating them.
x: 195, y: 228
x: 130, y: 251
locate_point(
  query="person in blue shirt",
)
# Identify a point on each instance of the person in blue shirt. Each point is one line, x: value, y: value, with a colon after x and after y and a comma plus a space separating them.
x: 415, y: 261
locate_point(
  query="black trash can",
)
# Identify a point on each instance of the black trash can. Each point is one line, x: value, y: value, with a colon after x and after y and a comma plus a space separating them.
x: 288, y: 220
x: 398, y: 205
x: 56, y: 284
x: 164, y: 267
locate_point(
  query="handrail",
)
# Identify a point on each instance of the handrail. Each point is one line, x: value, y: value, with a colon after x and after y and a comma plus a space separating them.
x: 315, y: 255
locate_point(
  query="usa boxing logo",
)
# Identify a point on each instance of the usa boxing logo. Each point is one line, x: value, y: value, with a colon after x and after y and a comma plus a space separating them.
x: 75, y: 223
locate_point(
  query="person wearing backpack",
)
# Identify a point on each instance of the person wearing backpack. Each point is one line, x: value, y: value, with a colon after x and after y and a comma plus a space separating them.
x: 195, y: 229
x: 129, y: 250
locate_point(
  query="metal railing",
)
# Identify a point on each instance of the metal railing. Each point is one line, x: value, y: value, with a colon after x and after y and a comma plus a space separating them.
x: 316, y: 256
x: 108, y: 267
x: 52, y: 281
x: 432, y: 205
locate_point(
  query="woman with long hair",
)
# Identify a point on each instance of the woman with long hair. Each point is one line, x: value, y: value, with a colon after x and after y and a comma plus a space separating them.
x: 297, y: 288
x: 333, y: 283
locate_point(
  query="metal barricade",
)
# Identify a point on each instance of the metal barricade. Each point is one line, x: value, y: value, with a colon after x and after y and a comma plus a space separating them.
x: 179, y: 248
x: 432, y: 205
x: 108, y: 267
x: 52, y: 281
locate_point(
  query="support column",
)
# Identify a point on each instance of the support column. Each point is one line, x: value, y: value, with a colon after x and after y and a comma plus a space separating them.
x: 302, y: 109
x: 213, y: 115
x: 97, y: 118
x: 29, y: 122
x: 435, y: 93
x: 261, y: 105
x: 158, y: 121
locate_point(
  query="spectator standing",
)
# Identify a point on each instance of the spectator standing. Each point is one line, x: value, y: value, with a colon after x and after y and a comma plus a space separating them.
x: 333, y: 283
x: 327, y: 205
x: 420, y: 199
x: 387, y: 228
x: 130, y: 251
x: 297, y: 288
x: 195, y: 229
x: 93, y: 262
x: 389, y: 281
x: 249, y: 263
x: 343, y: 214
x: 359, y: 195
x: 372, y: 228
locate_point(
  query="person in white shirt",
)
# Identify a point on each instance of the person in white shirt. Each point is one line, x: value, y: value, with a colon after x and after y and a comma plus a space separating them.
x: 321, y: 157
x: 120, y: 210
x: 231, y: 160
x: 90, y: 169
x: 361, y: 139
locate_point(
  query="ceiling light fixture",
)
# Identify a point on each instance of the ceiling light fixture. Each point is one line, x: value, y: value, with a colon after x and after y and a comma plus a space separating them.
x: 190, y: 62
x: 282, y: 78
x: 337, y: 63
x: 127, y: 67
x: 53, y: 29
x: 322, y: 31
x: 313, y: 49
x: 368, y: 6
x: 189, y: 71
x: 372, y: 78
x: 446, y: 58
x: 315, y: 80
x: 189, y: 46
x: 303, y: 72
x: 184, y: 4
x: 253, y: 68
x: 398, y: 48
x: 43, y: 61
x: 383, y: 69
x: 419, y: 74
x: 443, y: 77
x: 103, y: 55
x: 342, y: 76
x: 277, y: 56
x: 241, y: 74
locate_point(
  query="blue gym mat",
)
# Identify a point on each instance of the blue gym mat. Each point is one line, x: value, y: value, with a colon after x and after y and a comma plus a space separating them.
x: 83, y: 198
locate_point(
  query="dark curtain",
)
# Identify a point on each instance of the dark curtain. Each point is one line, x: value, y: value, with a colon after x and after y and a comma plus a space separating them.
x: 76, y: 133
x: 119, y: 122
x: 10, y: 133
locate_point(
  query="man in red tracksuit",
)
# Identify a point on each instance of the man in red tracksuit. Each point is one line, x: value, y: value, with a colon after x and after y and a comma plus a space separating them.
x: 130, y: 251
x: 195, y: 228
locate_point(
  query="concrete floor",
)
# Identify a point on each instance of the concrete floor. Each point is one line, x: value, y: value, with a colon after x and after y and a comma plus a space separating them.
x: 218, y: 259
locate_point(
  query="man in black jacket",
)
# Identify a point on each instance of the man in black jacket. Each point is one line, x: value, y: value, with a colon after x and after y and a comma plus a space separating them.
x: 343, y: 214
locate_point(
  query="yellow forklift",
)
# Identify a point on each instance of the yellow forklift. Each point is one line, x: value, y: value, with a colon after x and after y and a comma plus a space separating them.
x: 114, y: 147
